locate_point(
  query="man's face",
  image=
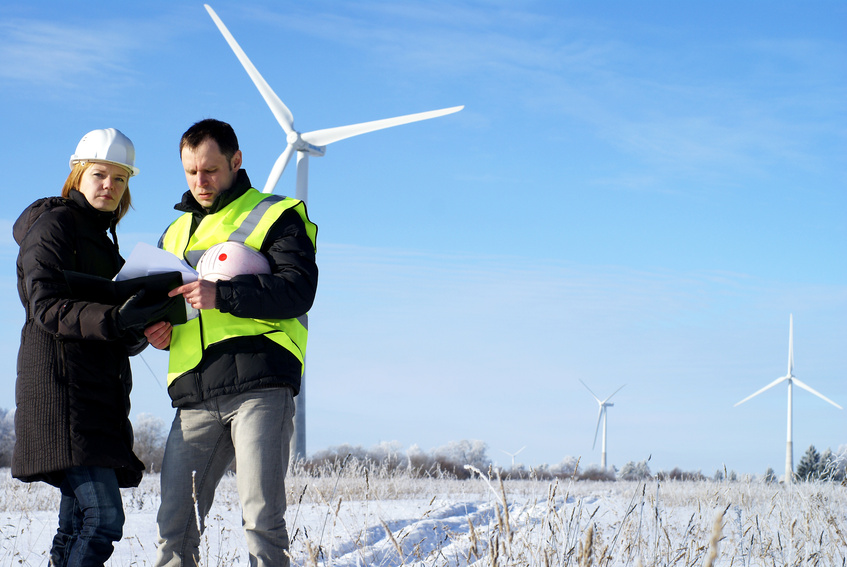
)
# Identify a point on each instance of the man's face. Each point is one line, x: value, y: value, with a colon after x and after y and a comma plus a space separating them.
x: 208, y: 172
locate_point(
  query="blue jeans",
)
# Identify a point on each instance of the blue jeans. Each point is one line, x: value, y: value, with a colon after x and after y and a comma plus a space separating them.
x: 255, y: 429
x: 91, y: 518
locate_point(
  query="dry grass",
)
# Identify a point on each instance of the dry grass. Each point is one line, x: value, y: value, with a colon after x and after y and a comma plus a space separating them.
x: 351, y: 517
x: 653, y: 523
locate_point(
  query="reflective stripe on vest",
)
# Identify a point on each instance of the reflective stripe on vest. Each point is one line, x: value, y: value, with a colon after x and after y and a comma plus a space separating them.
x: 247, y: 220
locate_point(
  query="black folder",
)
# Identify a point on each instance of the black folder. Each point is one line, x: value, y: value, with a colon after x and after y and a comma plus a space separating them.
x: 155, y: 286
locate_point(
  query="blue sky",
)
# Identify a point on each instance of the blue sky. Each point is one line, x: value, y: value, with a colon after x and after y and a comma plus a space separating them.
x: 636, y: 193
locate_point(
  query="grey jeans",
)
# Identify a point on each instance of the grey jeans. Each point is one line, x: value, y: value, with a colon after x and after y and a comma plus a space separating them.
x: 255, y: 429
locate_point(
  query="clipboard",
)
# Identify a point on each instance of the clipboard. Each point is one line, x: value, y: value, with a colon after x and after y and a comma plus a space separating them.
x: 155, y: 286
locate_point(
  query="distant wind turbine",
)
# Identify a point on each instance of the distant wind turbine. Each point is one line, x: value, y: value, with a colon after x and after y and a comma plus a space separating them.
x: 601, y: 416
x: 791, y: 379
x: 513, y: 455
x: 308, y: 144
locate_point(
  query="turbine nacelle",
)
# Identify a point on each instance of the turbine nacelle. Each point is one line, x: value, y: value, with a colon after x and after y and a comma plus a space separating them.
x: 298, y: 144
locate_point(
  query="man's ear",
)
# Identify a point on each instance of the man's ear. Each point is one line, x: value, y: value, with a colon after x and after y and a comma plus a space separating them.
x: 236, y: 160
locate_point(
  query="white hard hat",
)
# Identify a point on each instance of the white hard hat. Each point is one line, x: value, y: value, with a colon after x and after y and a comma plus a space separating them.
x: 106, y: 145
x: 228, y: 259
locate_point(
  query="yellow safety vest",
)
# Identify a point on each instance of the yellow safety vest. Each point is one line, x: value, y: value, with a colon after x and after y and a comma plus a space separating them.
x: 246, y: 220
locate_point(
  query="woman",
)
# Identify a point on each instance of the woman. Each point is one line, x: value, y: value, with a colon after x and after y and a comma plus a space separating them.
x: 72, y: 390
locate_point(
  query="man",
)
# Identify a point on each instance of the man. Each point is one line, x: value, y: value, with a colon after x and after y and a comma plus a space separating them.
x: 235, y: 368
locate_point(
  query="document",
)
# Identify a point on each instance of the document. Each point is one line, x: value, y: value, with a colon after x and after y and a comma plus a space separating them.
x: 146, y: 260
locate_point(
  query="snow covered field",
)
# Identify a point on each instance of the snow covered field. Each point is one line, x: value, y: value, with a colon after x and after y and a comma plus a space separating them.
x: 359, y: 518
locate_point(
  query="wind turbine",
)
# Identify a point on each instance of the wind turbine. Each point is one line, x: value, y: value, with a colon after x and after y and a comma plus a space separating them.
x: 307, y: 144
x: 601, y: 416
x: 513, y: 455
x: 791, y: 379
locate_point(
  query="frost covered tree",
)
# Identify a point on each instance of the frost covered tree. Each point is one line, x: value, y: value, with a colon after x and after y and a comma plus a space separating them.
x: 826, y: 465
x: 832, y: 466
x: 839, y: 464
x: 596, y: 472
x: 388, y: 454
x: 770, y: 476
x: 567, y: 467
x: 455, y: 455
x: 7, y: 436
x: 338, y: 455
x: 418, y: 461
x: 150, y: 438
x: 810, y: 465
x: 635, y: 471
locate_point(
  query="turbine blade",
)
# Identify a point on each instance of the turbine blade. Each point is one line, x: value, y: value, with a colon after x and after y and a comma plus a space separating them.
x: 278, y: 168
x: 613, y: 393
x: 330, y: 135
x: 597, y: 429
x: 589, y: 389
x: 815, y: 392
x: 771, y: 385
x: 280, y: 111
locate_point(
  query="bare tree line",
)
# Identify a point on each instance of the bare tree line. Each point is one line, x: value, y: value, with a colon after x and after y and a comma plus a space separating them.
x: 454, y: 460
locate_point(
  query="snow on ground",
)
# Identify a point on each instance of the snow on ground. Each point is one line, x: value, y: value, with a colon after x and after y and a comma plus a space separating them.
x: 363, y: 520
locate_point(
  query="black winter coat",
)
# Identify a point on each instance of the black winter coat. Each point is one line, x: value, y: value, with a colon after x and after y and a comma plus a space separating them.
x: 241, y: 364
x: 74, y: 378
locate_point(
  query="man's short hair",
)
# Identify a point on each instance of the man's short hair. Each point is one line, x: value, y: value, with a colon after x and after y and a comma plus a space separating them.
x: 220, y: 132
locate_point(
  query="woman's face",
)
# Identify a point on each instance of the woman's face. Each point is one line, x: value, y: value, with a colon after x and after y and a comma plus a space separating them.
x: 103, y: 185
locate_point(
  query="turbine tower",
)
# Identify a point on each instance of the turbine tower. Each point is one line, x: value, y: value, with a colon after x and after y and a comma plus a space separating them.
x: 601, y: 416
x: 791, y: 379
x: 307, y: 144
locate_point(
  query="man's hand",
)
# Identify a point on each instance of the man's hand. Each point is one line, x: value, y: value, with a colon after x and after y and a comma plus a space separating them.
x: 199, y: 294
x: 159, y: 334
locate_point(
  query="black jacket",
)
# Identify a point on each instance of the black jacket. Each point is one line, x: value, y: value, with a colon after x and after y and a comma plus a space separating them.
x: 74, y: 378
x: 241, y: 364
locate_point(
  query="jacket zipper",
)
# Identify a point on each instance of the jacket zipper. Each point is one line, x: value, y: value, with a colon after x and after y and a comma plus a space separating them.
x: 198, y: 381
x: 60, y: 347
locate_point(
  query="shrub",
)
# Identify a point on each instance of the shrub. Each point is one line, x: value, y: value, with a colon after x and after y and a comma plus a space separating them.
x: 770, y: 476
x: 150, y: 437
x: 7, y: 437
x: 810, y: 465
x: 678, y: 474
x: 594, y: 472
x: 635, y: 471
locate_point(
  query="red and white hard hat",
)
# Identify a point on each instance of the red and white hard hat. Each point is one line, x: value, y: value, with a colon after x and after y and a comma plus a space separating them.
x: 228, y: 259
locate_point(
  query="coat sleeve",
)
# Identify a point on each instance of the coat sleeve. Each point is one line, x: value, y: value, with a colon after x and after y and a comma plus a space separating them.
x: 48, y: 250
x: 289, y: 290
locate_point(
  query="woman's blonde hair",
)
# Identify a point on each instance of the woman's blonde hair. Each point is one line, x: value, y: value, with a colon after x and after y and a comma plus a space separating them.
x: 73, y: 181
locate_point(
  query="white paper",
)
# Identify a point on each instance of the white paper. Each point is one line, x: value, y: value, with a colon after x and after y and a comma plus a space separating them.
x: 146, y: 260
